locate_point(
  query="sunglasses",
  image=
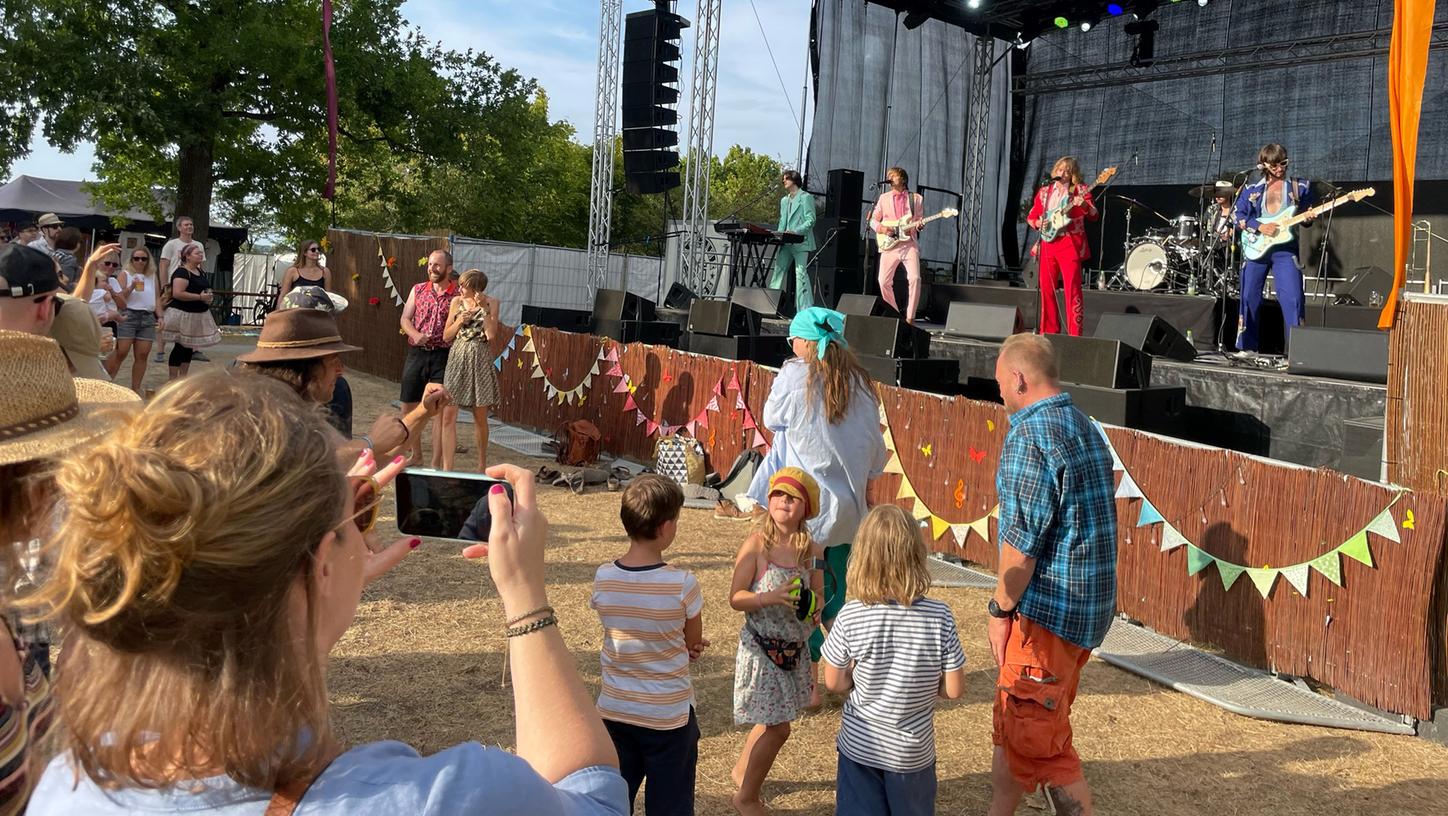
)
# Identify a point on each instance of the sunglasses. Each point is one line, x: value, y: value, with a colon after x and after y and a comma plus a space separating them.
x: 1282, y: 163
x: 367, y: 498
x: 112, y: 264
x: 142, y: 258
x: 311, y: 250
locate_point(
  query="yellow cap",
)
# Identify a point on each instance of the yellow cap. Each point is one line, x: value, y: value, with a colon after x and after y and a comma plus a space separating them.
x: 795, y: 482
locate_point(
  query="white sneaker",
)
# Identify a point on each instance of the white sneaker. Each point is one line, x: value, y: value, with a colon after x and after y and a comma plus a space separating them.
x: 160, y: 357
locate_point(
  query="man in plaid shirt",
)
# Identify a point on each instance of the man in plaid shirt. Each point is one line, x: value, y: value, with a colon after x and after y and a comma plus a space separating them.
x: 1057, y: 587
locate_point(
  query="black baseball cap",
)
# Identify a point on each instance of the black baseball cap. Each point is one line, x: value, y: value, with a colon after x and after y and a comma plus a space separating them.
x: 25, y: 271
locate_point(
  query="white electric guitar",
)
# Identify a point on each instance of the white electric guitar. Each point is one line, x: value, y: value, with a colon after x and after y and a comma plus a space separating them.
x: 1255, y: 245
x: 899, y: 229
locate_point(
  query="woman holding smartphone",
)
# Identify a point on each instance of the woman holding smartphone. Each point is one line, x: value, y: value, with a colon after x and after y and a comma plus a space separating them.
x: 135, y: 290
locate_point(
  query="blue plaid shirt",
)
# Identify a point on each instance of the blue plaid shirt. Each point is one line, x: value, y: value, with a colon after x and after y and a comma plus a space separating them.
x: 1058, y: 506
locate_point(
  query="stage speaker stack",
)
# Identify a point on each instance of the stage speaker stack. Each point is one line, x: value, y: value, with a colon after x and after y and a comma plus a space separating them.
x: 1347, y: 354
x: 1367, y: 286
x: 930, y: 376
x: 886, y: 337
x: 628, y: 318
x: 1111, y: 381
x: 569, y: 320
x: 983, y: 321
x: 871, y: 305
x: 896, y: 353
x: 729, y: 329
x: 1147, y: 332
x: 764, y: 302
x: 650, y: 94
x: 839, y: 265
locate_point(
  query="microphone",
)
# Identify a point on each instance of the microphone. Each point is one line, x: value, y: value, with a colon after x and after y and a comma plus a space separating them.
x: 1261, y: 166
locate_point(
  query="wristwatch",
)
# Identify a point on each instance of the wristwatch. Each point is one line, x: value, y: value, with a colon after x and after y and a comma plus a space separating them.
x: 996, y: 612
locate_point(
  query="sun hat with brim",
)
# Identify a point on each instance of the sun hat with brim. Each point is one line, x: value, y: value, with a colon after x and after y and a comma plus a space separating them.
x: 44, y: 411
x: 795, y: 482
x: 297, y: 334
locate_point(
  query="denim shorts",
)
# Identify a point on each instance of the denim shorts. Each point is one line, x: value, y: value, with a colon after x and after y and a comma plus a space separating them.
x: 137, y: 324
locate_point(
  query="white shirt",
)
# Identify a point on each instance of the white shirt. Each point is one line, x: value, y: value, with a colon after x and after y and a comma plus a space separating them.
x: 172, y: 251
x: 101, y: 302
x: 142, y: 298
x: 42, y: 245
x: 900, y: 654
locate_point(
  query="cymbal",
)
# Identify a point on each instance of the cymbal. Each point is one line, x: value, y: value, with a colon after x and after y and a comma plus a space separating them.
x: 1130, y: 202
x: 1209, y: 190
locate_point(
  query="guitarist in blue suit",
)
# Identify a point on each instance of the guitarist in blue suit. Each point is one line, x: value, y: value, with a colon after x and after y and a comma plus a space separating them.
x: 1263, y: 200
x: 797, y: 215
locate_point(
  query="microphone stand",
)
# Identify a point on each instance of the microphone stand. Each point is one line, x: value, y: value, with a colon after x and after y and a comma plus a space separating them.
x: 1322, y: 257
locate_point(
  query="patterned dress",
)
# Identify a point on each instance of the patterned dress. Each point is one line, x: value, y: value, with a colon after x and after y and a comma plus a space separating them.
x: 763, y: 692
x: 470, y: 376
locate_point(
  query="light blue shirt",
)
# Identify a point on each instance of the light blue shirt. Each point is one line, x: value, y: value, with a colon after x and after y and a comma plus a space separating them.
x: 377, y: 778
x: 842, y: 457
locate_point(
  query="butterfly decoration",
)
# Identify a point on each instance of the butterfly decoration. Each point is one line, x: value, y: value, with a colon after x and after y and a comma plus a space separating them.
x: 977, y: 455
x: 926, y: 448
x: 990, y: 425
x: 1409, y: 522
x: 632, y: 389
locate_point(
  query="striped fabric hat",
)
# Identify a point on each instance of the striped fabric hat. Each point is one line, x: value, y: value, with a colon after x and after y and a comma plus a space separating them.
x: 795, y: 482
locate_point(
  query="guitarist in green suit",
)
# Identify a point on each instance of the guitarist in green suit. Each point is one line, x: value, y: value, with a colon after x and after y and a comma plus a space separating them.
x: 796, y: 215
x: 1258, y: 205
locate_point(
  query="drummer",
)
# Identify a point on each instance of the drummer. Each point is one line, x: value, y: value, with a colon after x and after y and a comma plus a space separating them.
x: 1219, y: 218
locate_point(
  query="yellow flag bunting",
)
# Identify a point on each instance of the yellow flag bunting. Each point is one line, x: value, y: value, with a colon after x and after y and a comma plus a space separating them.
x: 938, y: 525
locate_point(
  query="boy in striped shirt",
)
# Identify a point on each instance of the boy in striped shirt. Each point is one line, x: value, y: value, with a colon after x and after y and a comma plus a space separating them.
x: 652, y: 629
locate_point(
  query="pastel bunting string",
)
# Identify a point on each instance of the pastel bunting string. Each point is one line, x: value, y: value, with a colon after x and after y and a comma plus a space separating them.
x: 938, y: 525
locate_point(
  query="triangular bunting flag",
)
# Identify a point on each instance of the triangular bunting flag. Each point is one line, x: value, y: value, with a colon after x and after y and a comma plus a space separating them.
x: 1149, y: 515
x: 1356, y: 548
x: 1229, y: 573
x: 690, y: 428
x: 702, y: 420
x: 651, y: 427
x: 612, y: 356
x: 1128, y: 489
x: 621, y: 387
x: 665, y: 429
x: 587, y: 381
x: 920, y: 511
x: 1296, y: 575
x: 594, y: 370
x: 560, y: 397
x: 938, y: 526
x: 995, y: 512
x: 537, y: 372
x: 713, y: 404
x: 981, y: 527
x: 749, y: 422
x: 616, y: 371
x: 1385, y: 526
x: 639, y: 418
x: 1197, y: 559
x: 718, y: 388
x: 961, y: 532
x: 739, y: 402
x: 629, y: 404
x: 1330, y: 566
x: 1171, y: 538
x: 906, y: 490
x: 892, y: 465
x: 528, y: 330
x: 548, y: 389
x: 513, y: 341
x: 758, y: 440
x: 734, y: 381
x: 530, y: 347
x: 1263, y: 579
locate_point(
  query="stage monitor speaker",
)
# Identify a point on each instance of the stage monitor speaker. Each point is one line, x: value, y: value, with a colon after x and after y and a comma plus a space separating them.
x: 1367, y: 286
x: 862, y: 305
x: 679, y: 297
x: 652, y: 332
x: 1347, y: 354
x: 1097, y: 361
x: 834, y: 283
x: 843, y: 250
x: 722, y: 317
x: 845, y: 194
x: 764, y: 301
x: 1147, y: 332
x: 765, y: 349
x: 1158, y: 408
x: 931, y: 376
x: 886, y: 337
x: 1362, y: 448
x: 983, y: 321
x: 616, y: 304
x: 572, y: 320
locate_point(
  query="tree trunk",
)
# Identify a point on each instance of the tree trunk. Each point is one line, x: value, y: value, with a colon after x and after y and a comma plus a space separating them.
x: 194, y: 183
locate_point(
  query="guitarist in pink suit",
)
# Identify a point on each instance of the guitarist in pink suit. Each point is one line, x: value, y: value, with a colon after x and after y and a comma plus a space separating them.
x: 1060, y: 258
x: 897, y: 202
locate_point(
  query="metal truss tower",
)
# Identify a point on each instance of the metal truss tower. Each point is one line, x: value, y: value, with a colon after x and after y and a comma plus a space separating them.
x: 977, y: 139
x: 605, y: 132
x: 694, y: 270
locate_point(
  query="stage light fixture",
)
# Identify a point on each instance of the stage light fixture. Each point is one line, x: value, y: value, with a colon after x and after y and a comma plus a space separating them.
x: 975, y: 4
x: 1114, y: 9
x: 1062, y: 22
x: 1085, y: 25
x: 1203, y: 3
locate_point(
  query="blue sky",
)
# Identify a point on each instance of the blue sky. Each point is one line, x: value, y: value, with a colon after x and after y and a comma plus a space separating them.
x: 556, y: 42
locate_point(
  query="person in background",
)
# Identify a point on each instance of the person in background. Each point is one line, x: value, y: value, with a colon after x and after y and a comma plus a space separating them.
x: 424, y: 319
x: 31, y: 301
x: 1062, y: 257
x: 307, y: 270
x: 46, y: 412
x: 202, y: 602
x: 188, y: 320
x: 796, y: 215
x: 170, y: 255
x: 67, y: 241
x: 896, y: 203
x: 652, y: 629
x: 46, y: 228
x: 472, y: 324
x: 102, y: 298
x: 894, y: 651
x: 136, y: 289
x: 27, y: 234
x: 1056, y: 584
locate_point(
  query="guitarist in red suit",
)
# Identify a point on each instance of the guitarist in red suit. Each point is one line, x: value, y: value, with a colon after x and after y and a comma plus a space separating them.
x: 1060, y: 259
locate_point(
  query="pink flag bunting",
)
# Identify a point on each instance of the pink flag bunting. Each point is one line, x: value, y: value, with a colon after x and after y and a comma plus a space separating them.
x: 702, y: 420
x: 690, y: 427
x: 639, y: 418
x: 621, y: 387
x: 758, y: 440
x: 652, y: 427
x: 616, y: 371
x: 739, y: 402
x: 713, y: 404
x: 666, y: 429
x: 749, y: 422
x: 734, y: 381
x: 612, y: 353
x: 718, y: 386
x: 629, y: 404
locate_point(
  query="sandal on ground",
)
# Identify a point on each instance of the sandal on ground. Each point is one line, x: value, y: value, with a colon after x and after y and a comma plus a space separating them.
x: 546, y: 475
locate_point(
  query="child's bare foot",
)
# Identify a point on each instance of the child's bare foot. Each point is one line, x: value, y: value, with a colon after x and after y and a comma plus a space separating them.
x: 747, y: 807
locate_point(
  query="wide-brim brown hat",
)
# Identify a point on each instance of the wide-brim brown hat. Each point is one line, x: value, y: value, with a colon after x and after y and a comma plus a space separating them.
x: 44, y: 411
x: 297, y: 334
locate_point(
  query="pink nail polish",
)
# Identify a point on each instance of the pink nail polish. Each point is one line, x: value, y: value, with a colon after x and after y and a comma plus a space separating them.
x: 497, y: 488
x: 415, y: 543
x: 399, y: 460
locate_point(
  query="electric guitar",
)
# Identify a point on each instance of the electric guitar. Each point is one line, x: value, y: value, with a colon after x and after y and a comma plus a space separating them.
x: 1056, y: 219
x: 900, y: 228
x: 1255, y: 245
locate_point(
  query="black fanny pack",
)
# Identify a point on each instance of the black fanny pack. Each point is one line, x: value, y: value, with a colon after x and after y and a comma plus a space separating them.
x: 783, y: 653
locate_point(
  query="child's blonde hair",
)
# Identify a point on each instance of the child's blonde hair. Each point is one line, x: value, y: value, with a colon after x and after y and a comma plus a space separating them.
x: 798, y: 541
x: 888, y: 558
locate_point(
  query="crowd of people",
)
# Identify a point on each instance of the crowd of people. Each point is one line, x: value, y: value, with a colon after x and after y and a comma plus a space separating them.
x: 197, y: 556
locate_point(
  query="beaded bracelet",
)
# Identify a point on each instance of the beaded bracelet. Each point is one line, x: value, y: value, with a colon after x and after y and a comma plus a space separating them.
x: 541, y: 623
x: 530, y: 613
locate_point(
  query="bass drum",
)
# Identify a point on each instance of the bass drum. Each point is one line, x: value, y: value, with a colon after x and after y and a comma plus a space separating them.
x: 1152, y: 264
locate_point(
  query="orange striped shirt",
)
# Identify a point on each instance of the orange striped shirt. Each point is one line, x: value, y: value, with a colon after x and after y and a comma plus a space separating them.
x: 645, y: 661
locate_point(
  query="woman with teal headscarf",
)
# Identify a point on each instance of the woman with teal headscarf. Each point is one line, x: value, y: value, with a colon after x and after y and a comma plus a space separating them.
x: 825, y: 420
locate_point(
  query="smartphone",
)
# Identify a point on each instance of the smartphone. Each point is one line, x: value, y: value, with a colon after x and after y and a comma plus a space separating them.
x: 445, y: 504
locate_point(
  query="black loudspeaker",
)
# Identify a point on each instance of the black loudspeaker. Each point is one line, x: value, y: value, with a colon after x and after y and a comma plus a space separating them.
x: 833, y: 284
x: 616, y: 304
x: 1096, y: 361
x: 722, y: 317
x: 1347, y: 354
x: 573, y: 320
x: 649, y: 96
x: 679, y: 297
x: 845, y: 193
x: 862, y: 305
x: 1158, y: 408
x: 931, y: 376
x: 653, y: 332
x: 886, y: 337
x: 843, y: 250
x: 983, y: 321
x: 1365, y: 282
x: 764, y: 301
x: 1147, y: 332
x: 1362, y: 448
x: 765, y: 349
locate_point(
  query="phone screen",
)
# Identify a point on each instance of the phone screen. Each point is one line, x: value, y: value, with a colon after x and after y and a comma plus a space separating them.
x: 445, y: 504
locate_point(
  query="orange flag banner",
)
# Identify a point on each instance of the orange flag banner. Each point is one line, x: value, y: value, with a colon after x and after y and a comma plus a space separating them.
x: 1407, y: 66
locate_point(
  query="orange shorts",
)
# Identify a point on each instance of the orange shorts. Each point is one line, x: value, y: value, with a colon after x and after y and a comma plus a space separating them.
x: 1032, y: 714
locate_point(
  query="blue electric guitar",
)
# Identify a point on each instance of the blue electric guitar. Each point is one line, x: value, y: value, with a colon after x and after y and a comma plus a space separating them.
x: 1057, y: 218
x: 1257, y: 244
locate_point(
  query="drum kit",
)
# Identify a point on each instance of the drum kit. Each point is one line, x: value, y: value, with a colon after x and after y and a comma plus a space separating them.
x: 1184, y: 255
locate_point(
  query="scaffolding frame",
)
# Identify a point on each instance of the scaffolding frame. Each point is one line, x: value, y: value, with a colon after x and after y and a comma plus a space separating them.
x: 605, y: 136
x: 694, y: 244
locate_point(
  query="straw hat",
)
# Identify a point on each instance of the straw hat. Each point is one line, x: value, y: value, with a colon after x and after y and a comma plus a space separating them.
x: 44, y: 411
x: 795, y: 482
x: 297, y: 334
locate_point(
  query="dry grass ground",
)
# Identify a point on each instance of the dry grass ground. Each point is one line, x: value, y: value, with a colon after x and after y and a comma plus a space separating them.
x: 423, y: 661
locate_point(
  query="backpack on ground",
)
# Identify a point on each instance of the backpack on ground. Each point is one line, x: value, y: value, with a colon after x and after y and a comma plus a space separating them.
x: 680, y: 458
x: 577, y: 442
